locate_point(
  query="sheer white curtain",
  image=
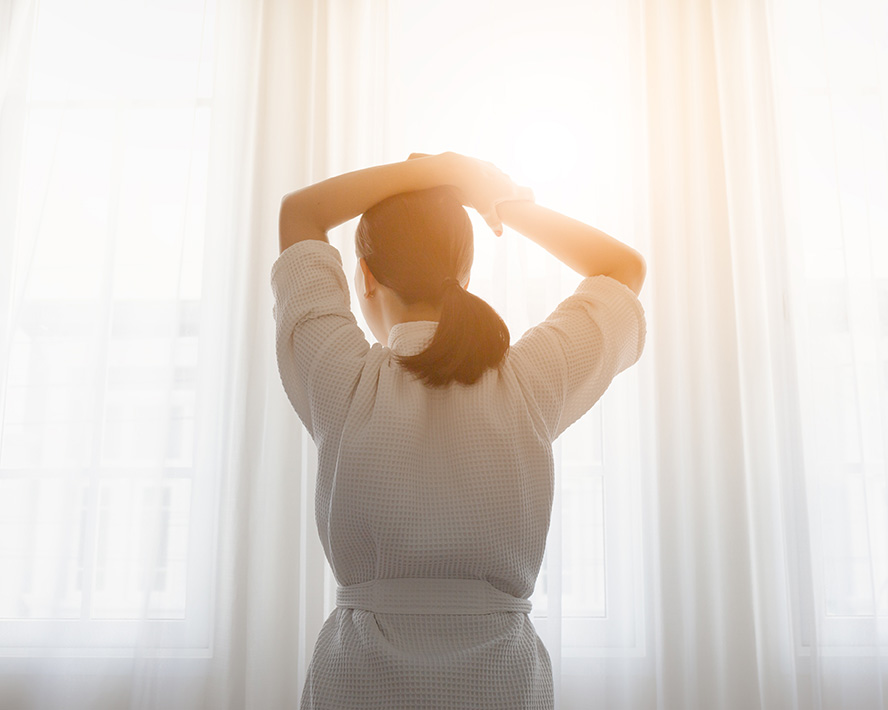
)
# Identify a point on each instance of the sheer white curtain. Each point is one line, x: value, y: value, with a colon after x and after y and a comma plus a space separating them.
x: 156, y: 534
x: 833, y: 86
x: 767, y: 202
x: 720, y: 524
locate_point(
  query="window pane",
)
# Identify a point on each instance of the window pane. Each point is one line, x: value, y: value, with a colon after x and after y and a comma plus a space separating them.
x: 99, y: 402
x: 142, y: 543
x: 41, y: 548
x: 161, y: 49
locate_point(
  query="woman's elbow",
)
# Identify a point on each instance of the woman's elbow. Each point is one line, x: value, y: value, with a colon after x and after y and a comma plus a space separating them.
x: 631, y: 272
x: 638, y: 274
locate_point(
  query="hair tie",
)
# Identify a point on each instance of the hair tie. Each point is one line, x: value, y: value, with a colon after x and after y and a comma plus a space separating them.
x: 449, y: 281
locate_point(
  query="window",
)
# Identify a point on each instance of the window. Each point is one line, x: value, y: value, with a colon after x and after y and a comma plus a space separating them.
x: 831, y: 104
x: 106, y: 496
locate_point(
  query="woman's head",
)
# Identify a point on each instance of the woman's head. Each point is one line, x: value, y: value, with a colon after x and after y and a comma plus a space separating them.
x: 415, y: 240
x: 420, y: 246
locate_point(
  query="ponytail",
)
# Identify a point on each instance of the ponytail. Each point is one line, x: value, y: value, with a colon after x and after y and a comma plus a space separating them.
x: 419, y: 244
x: 470, y: 339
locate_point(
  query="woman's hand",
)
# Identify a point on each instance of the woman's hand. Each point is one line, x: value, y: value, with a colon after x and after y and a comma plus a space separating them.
x: 482, y: 186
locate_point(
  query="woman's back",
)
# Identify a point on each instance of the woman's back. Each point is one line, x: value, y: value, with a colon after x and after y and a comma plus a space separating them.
x: 442, y: 486
x: 435, y: 482
x: 433, y: 503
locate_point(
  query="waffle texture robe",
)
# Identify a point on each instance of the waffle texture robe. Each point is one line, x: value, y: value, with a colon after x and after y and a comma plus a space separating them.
x: 433, y: 505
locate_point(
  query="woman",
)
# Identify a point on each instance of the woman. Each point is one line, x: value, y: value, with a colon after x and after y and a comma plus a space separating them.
x: 435, y: 471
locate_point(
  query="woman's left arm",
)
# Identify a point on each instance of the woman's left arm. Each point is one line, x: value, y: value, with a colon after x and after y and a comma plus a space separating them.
x: 311, y: 212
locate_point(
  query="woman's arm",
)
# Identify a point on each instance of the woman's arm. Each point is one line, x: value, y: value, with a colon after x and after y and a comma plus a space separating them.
x: 310, y: 212
x: 586, y: 250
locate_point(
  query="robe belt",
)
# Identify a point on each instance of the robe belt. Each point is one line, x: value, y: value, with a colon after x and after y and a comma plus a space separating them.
x: 429, y: 596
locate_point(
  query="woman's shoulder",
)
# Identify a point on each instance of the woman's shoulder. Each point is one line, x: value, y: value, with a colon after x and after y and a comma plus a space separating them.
x: 307, y: 255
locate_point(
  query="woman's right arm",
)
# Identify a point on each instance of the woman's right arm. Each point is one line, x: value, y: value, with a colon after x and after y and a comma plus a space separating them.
x: 586, y: 250
x: 569, y: 360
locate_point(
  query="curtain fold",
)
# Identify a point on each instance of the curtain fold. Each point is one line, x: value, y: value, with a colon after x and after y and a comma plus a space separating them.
x: 723, y: 384
x: 765, y: 346
x: 705, y: 621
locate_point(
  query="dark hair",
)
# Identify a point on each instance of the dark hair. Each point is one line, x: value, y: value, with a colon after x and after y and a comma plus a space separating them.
x: 417, y: 244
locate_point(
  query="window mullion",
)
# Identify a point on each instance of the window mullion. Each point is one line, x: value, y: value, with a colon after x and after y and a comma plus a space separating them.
x: 90, y: 552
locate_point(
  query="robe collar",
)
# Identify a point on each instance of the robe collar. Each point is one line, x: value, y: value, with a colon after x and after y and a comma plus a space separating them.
x: 412, y: 337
